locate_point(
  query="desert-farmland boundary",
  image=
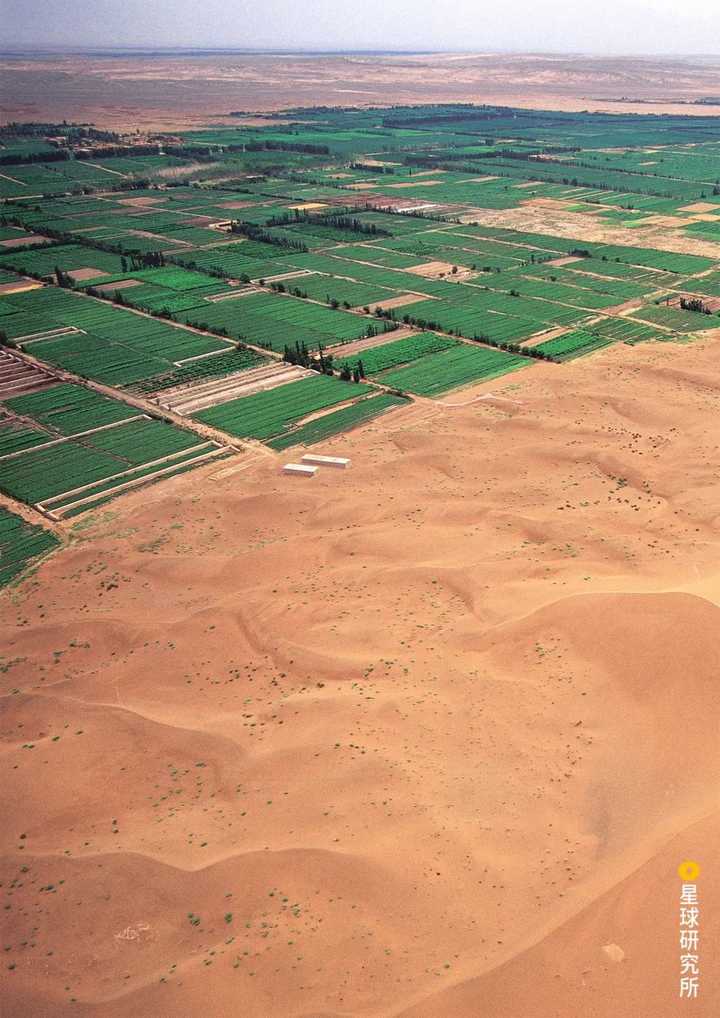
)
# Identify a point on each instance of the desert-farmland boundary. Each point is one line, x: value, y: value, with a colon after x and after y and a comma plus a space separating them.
x: 257, y: 288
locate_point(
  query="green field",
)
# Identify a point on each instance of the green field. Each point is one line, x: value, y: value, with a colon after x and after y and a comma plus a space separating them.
x: 572, y: 344
x: 677, y: 319
x: 67, y: 257
x: 270, y: 240
x: 115, y: 346
x: 20, y: 544
x: 264, y: 415
x: 273, y: 320
x: 202, y: 369
x: 439, y: 372
x: 400, y: 351
x: 70, y: 409
x: 67, y: 437
x: 339, y: 420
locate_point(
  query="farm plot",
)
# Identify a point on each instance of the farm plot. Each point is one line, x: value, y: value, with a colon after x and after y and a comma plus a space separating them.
x: 706, y: 285
x: 651, y: 258
x: 112, y: 345
x: 188, y: 401
x: 15, y: 436
x: 569, y: 287
x: 465, y: 251
x: 376, y: 255
x: 67, y: 257
x: 265, y: 415
x: 573, y: 344
x: 325, y: 427
x: 273, y: 321
x: 170, y: 278
x: 401, y: 351
x: 393, y: 279
x: 79, y: 469
x: 313, y: 234
x: 677, y: 320
x: 153, y: 291
x: 200, y: 370
x: 237, y: 260
x: 565, y: 294
x: 342, y: 291
x: 625, y: 330
x: 449, y: 369
x: 70, y: 409
x: 498, y: 317
x: 706, y: 230
x: 598, y: 267
x: 20, y: 544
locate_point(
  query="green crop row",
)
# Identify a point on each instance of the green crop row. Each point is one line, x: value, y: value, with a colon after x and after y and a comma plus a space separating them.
x: 20, y: 543
x: 677, y: 319
x: 69, y: 409
x: 573, y: 344
x: 401, y: 351
x: 41, y: 474
x: 338, y: 421
x: 264, y: 415
x: 448, y: 369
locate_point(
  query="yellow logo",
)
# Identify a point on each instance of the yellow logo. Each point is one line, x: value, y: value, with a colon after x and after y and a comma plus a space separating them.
x: 688, y: 870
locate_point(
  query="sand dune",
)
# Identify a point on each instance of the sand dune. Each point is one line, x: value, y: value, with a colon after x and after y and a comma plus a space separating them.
x: 417, y: 739
x: 617, y: 956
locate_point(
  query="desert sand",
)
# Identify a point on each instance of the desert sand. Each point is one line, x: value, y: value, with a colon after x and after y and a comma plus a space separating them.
x: 166, y: 92
x: 425, y: 738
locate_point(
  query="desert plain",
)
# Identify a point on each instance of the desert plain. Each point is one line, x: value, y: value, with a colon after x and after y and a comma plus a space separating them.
x: 166, y: 91
x: 424, y: 738
x: 427, y: 737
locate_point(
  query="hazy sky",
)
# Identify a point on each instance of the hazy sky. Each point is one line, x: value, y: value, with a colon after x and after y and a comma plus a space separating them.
x: 606, y: 26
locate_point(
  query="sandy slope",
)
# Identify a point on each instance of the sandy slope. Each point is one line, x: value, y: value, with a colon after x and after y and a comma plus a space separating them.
x: 418, y: 739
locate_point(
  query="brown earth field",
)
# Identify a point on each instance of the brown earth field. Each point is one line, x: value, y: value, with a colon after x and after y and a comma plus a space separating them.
x: 427, y: 738
x: 172, y: 92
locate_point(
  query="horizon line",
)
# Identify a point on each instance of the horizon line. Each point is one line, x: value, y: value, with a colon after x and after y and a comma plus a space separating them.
x: 142, y: 48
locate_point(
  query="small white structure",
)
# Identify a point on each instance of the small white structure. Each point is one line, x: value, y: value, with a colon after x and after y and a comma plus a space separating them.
x: 299, y: 470
x: 340, y: 462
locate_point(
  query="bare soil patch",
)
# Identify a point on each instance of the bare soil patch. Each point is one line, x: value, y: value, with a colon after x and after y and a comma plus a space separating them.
x: 432, y: 269
x: 31, y: 238
x: 19, y: 286
x: 419, y: 183
x: 701, y: 206
x: 122, y: 284
x: 79, y: 275
x: 140, y: 201
x: 398, y: 302
x: 347, y: 349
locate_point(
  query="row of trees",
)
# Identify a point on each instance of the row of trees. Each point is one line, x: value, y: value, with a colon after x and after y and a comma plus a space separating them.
x: 694, y: 304
x: 334, y: 218
x: 323, y: 362
x: 254, y: 232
